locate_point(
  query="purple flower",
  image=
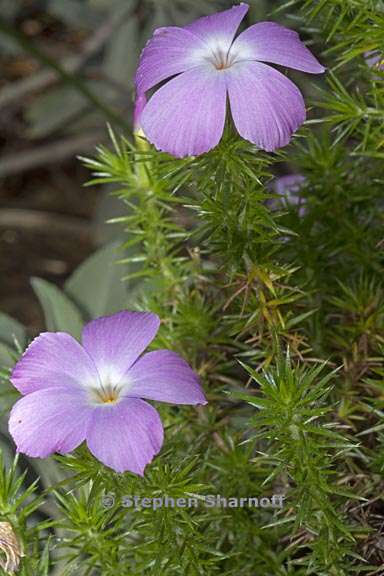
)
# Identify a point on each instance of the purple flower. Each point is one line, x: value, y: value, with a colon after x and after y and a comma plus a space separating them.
x: 186, y: 115
x: 375, y: 59
x: 140, y: 104
x: 289, y: 185
x: 93, y: 392
x: 289, y: 188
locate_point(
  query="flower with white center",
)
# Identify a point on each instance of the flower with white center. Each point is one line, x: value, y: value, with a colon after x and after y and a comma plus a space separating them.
x: 205, y: 66
x: 93, y: 392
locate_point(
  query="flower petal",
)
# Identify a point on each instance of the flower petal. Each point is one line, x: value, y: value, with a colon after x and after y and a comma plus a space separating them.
x: 48, y: 421
x: 170, y: 51
x: 289, y: 185
x: 163, y: 375
x: 266, y: 106
x: 218, y: 30
x: 115, y: 342
x: 374, y: 59
x: 186, y: 116
x: 125, y: 436
x: 53, y: 359
x: 271, y: 42
x: 140, y: 104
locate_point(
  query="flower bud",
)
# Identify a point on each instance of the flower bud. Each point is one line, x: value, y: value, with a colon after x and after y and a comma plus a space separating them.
x: 11, y: 547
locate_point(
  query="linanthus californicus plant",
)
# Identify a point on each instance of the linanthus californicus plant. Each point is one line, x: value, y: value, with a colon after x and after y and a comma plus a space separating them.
x: 235, y: 283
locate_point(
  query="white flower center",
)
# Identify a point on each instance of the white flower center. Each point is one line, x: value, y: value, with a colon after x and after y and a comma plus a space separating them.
x: 218, y: 53
x: 110, y: 389
x: 105, y: 394
x: 221, y: 59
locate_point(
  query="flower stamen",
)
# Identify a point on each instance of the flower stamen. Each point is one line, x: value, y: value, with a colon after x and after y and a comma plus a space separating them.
x: 221, y: 60
x: 106, y: 394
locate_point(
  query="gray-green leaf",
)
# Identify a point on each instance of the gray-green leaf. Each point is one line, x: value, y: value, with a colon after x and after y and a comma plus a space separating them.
x: 96, y: 285
x: 61, y: 314
x: 11, y: 330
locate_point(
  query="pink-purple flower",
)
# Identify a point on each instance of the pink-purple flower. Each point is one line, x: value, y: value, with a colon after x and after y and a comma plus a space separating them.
x: 205, y: 66
x: 289, y: 187
x: 375, y: 59
x: 93, y: 392
x: 140, y: 104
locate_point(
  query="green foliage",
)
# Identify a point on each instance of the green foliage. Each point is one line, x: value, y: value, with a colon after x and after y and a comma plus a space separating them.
x: 12, y: 339
x: 96, y: 286
x: 304, y: 446
x: 60, y: 313
x: 278, y: 307
x: 95, y: 289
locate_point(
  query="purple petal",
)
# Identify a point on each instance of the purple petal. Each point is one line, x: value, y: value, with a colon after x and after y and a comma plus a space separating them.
x: 140, y: 104
x: 170, y: 51
x: 115, y: 342
x: 186, y: 116
x: 289, y: 185
x: 271, y: 42
x: 48, y: 421
x: 219, y: 29
x: 163, y: 375
x: 266, y: 106
x: 125, y: 436
x: 374, y: 59
x: 53, y: 359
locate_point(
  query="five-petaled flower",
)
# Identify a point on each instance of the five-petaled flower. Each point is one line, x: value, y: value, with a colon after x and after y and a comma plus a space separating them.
x: 94, y: 392
x: 207, y: 65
